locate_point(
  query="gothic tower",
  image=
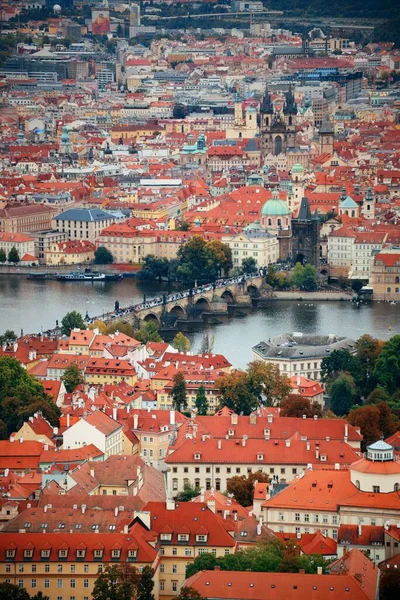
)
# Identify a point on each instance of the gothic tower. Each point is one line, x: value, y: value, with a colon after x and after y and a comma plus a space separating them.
x: 326, y: 136
x: 278, y: 130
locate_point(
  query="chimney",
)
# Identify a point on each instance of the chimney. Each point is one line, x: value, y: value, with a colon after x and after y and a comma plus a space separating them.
x: 287, y: 443
x: 259, y: 526
x: 253, y: 419
x: 172, y: 417
x: 337, y: 467
x: 116, y: 511
x: 45, y: 508
x: 68, y: 419
x: 21, y: 440
x: 298, y: 535
x: 6, y: 472
x: 219, y: 444
x: 211, y: 505
x: 202, y: 495
x: 359, y: 530
x: 304, y: 416
x: 12, y: 439
x: 346, y: 432
x: 315, y: 417
x: 298, y: 380
x: 135, y: 421
x: 83, y: 508
x: 270, y: 418
x: 128, y: 409
x: 226, y: 514
x: 308, y: 445
x: 319, y: 570
x: 317, y: 452
x: 234, y: 419
x: 115, y: 413
x: 328, y: 439
x: 170, y: 505
x: 46, y: 447
x: 92, y: 472
x: 244, y: 441
x: 126, y: 529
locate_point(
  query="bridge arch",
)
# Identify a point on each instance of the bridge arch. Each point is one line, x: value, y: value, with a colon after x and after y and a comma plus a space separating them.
x: 152, y: 318
x: 178, y: 312
x: 228, y: 296
x: 252, y: 290
x: 324, y: 271
x: 202, y: 303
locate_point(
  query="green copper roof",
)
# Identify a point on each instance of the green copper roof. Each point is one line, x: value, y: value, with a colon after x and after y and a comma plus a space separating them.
x: 275, y: 208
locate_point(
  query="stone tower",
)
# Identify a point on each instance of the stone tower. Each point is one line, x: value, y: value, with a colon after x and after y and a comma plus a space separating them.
x: 278, y: 131
x: 306, y: 236
x: 326, y: 136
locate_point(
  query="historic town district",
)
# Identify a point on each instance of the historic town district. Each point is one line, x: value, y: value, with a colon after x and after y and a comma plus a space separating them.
x: 238, y: 164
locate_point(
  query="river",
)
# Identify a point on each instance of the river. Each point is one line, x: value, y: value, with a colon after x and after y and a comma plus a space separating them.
x: 32, y: 305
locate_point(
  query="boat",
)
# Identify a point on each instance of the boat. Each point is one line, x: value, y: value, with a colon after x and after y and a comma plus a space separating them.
x: 82, y: 276
x: 38, y: 276
x: 113, y: 276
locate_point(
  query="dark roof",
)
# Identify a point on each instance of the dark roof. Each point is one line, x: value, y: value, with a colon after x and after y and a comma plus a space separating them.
x: 326, y: 126
x: 304, y: 211
x: 84, y: 214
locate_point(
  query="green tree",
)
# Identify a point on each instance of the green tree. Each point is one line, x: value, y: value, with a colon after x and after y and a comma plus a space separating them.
x: 356, y: 285
x: 297, y: 406
x: 8, y: 336
x: 235, y: 391
x: 122, y: 327
x: 184, y: 226
x: 102, y: 256
x: 378, y: 395
x: 146, y: 584
x: 148, y: 332
x: 187, y: 494
x: 304, y: 278
x: 387, y: 366
x: 72, y: 377
x: 9, y: 591
x: 202, y: 261
x: 189, y: 593
x: 242, y: 487
x: 18, y: 390
x: 117, y: 582
x: 339, y: 361
x: 3, y: 256
x: 271, y: 275
x: 179, y: 112
x: 154, y: 268
x: 72, y: 320
x: 178, y: 392
x: 201, y: 401
x: 181, y: 342
x: 13, y: 256
x: 368, y: 350
x: 267, y: 383
x: 249, y: 265
x: 342, y: 393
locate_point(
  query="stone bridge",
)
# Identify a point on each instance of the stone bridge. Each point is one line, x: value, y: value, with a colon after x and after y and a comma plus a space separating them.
x: 207, y: 299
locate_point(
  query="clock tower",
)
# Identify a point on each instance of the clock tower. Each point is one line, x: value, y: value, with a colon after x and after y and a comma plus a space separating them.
x: 326, y: 136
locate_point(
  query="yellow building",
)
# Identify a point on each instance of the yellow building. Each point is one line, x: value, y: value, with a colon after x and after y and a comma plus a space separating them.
x: 73, y: 252
x: 100, y: 371
x: 186, y: 530
x: 66, y: 565
x: 385, y: 276
x: 36, y: 429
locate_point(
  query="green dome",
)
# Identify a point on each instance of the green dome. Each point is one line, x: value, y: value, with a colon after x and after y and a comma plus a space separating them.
x: 297, y: 168
x: 275, y: 208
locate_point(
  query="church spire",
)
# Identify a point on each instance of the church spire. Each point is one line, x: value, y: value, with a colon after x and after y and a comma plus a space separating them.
x: 266, y: 106
x: 290, y: 107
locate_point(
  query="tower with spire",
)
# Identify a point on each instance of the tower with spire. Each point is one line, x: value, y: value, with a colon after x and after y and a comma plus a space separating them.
x: 278, y: 130
x: 306, y: 235
x: 326, y: 136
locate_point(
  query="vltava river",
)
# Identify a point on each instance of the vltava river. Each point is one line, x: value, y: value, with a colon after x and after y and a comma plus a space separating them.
x: 32, y: 305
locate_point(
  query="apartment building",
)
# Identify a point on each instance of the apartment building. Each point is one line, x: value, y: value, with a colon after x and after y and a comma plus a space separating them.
x: 24, y: 244
x: 96, y: 428
x: 186, y: 530
x: 82, y: 223
x: 109, y: 370
x: 385, y: 276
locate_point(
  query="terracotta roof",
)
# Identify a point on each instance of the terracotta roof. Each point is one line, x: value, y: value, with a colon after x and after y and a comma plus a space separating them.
x: 365, y: 535
x: 102, y: 422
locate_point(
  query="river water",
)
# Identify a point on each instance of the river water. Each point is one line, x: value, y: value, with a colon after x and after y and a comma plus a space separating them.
x: 32, y: 305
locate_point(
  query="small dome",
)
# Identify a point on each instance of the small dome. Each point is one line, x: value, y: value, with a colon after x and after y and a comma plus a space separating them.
x: 297, y: 168
x: 275, y: 208
x: 57, y: 8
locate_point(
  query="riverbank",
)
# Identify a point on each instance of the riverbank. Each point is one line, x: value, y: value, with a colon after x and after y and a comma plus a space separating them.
x: 321, y: 296
x: 24, y: 271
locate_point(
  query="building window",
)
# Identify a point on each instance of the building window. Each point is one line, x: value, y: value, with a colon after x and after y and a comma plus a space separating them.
x: 33, y: 583
x: 174, y: 551
x: 162, y: 586
x: 86, y: 583
x: 376, y: 489
x: 59, y: 583
x: 174, y: 586
x: 47, y: 583
x: 188, y: 552
x: 72, y: 583
x: 174, y: 569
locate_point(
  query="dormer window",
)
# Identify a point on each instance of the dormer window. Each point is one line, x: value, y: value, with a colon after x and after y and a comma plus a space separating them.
x: 197, y: 456
x: 81, y: 553
x: 166, y: 537
x: 63, y: 553
x: 260, y: 456
x: 45, y: 553
x: 28, y: 553
x: 98, y: 553
x: 231, y: 432
x: 201, y: 538
x: 183, y: 537
x: 10, y: 553
x: 323, y: 457
x: 116, y: 553
x: 132, y: 553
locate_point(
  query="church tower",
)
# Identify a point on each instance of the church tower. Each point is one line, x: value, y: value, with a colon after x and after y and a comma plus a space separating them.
x: 278, y: 130
x: 326, y: 136
x: 238, y: 111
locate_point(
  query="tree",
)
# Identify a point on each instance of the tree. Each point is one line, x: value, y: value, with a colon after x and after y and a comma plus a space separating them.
x: 235, y: 391
x: 179, y: 111
x: 389, y: 584
x: 100, y: 325
x: 378, y: 395
x: 154, y: 268
x: 297, y: 406
x: 189, y: 593
x: 304, y: 278
x: 13, y: 256
x: 187, y: 494
x: 184, y: 226
x: 342, y: 394
x: 72, y: 320
x: 122, y: 327
x: 8, y: 336
x: 18, y: 392
x: 146, y: 584
x: 220, y: 256
x: 102, y: 256
x: 207, y: 343
x: 72, y: 377
x: 9, y: 591
x: 368, y: 350
x: 387, y: 366
x: 117, y: 582
x: 201, y: 401
x: 202, y: 261
x: 356, y: 285
x: 249, y: 265
x: 148, y: 332
x: 181, y: 342
x: 178, y: 392
x: 242, y: 487
x: 3, y: 256
x: 266, y: 381
x: 339, y: 361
